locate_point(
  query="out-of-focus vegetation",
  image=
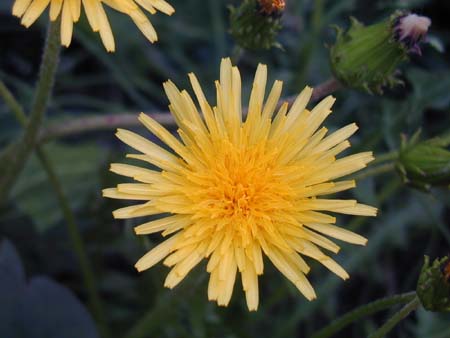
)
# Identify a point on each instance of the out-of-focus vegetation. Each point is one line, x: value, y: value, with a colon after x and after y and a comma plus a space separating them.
x: 46, y: 279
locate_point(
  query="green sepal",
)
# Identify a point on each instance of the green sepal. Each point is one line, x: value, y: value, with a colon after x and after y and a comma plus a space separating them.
x: 424, y: 164
x: 433, y: 289
x: 366, y: 57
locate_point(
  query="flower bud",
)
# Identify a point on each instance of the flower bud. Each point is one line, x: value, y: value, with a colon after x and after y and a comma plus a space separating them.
x: 255, y: 23
x: 367, y: 57
x: 424, y: 164
x: 433, y: 287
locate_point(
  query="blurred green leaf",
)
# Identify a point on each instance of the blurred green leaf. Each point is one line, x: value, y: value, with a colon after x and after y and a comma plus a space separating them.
x: 432, y: 325
x: 76, y: 167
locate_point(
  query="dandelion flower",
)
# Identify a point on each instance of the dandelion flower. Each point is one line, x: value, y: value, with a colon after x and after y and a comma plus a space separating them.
x: 232, y: 191
x: 70, y: 10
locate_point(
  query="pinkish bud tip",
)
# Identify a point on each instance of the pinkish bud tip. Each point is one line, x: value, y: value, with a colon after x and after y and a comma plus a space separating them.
x: 410, y: 30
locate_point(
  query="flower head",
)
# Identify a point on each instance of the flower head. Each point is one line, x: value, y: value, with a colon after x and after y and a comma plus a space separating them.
x: 233, y: 191
x: 70, y: 10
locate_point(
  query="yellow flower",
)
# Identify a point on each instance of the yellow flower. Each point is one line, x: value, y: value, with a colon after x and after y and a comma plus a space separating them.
x: 70, y: 10
x: 231, y: 191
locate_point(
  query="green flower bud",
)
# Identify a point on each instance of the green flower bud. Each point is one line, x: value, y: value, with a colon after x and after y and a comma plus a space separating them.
x: 433, y: 287
x: 255, y: 23
x: 367, y: 57
x: 424, y: 164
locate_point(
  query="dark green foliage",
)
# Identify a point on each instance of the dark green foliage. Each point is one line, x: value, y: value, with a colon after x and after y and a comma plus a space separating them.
x: 91, y: 82
x: 39, y: 308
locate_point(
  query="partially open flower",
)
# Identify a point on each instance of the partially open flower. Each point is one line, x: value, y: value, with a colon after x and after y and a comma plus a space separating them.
x: 367, y: 57
x: 410, y: 30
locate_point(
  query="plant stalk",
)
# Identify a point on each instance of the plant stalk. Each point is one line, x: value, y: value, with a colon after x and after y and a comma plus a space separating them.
x: 396, y: 318
x: 21, y: 151
x: 113, y: 121
x: 378, y: 170
x: 363, y: 311
x: 72, y: 228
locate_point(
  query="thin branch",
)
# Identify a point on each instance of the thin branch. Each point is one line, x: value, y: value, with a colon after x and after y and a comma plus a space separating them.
x: 396, y: 318
x: 363, y: 311
x: 129, y: 120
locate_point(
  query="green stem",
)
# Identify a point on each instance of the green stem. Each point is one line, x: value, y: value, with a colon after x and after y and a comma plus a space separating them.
x: 381, y: 169
x: 24, y: 147
x: 363, y: 311
x: 74, y: 234
x: 77, y: 243
x: 13, y: 104
x: 396, y: 318
x: 391, y: 156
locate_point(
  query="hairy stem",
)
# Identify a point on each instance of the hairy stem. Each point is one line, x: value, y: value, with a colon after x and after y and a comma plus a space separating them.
x: 363, y: 311
x: 390, y: 156
x: 20, y: 152
x: 77, y: 243
x: 72, y: 227
x: 396, y: 318
x: 378, y: 170
x: 75, y: 126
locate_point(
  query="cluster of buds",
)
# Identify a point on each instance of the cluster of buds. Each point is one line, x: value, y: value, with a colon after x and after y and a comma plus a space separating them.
x: 367, y: 57
x: 424, y: 164
x: 433, y: 287
x: 255, y: 24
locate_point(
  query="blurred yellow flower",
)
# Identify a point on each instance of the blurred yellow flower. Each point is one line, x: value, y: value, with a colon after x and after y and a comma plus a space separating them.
x: 30, y: 10
x: 231, y: 190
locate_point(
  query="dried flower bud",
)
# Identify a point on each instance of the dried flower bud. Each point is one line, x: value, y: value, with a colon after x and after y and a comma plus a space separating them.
x: 367, y: 57
x: 424, y: 164
x: 433, y: 287
x: 255, y: 23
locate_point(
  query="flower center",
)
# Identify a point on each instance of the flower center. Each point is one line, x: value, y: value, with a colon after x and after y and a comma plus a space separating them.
x: 240, y: 185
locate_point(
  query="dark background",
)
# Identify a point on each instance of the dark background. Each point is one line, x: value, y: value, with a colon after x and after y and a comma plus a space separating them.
x: 92, y: 82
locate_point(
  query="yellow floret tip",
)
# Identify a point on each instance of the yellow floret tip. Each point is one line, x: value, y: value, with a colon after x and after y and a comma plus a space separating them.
x: 69, y: 11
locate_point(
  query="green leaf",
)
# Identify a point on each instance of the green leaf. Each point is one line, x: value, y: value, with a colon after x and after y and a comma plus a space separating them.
x: 76, y: 168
